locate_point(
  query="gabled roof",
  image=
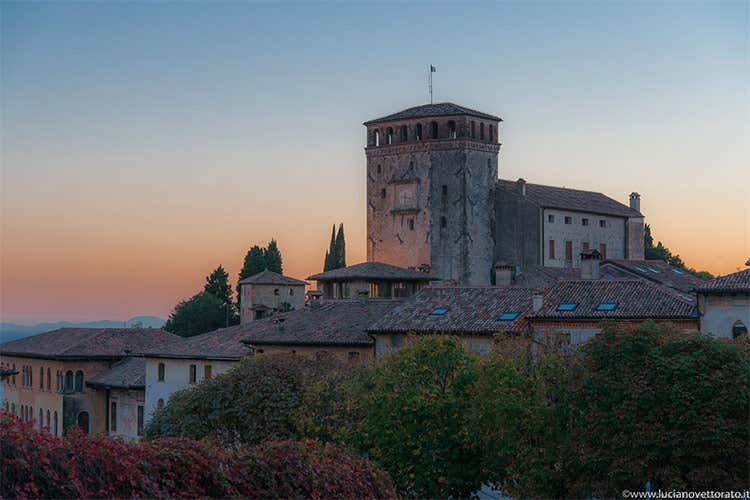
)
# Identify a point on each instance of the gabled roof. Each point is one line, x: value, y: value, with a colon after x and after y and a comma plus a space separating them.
x: 221, y: 344
x: 634, y: 299
x: 570, y: 199
x: 88, y: 343
x: 129, y: 373
x: 470, y: 310
x: 738, y: 282
x: 335, y: 323
x: 372, y: 271
x: 271, y: 278
x: 542, y: 276
x: 654, y: 270
x: 431, y: 110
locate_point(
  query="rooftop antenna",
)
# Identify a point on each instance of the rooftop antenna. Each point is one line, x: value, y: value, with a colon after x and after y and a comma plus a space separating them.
x: 429, y: 80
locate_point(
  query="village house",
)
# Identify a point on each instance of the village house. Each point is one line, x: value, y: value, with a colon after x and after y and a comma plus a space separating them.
x: 267, y: 292
x: 53, y: 368
x: 724, y: 305
x: 370, y: 279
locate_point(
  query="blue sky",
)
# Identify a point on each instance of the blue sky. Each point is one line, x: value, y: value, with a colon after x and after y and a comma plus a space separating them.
x: 134, y: 132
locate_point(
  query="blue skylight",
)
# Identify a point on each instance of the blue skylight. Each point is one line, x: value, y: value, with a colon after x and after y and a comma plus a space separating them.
x: 440, y: 311
x: 607, y: 306
x: 677, y: 271
x: 641, y: 269
x: 508, y: 316
x: 654, y: 270
x: 567, y: 306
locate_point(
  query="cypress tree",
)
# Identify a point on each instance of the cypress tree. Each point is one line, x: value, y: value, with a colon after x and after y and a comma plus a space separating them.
x: 340, y: 247
x: 272, y: 257
x: 330, y: 262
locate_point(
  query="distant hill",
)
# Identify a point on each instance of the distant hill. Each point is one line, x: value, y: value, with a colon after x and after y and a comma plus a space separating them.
x: 12, y: 331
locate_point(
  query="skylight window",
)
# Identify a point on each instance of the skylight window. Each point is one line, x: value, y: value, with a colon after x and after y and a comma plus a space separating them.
x: 607, y: 306
x: 641, y: 269
x: 440, y: 311
x: 567, y: 306
x: 508, y: 316
x: 654, y: 270
x: 677, y: 271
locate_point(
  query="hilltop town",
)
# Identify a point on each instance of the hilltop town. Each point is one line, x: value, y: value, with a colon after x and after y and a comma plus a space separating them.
x: 453, y: 249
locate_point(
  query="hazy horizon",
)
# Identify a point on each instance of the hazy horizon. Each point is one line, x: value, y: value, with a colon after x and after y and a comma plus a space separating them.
x: 144, y: 144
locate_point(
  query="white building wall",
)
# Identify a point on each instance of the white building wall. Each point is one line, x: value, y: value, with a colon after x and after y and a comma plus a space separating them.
x: 720, y: 312
x: 127, y: 413
x: 612, y: 235
x: 176, y: 378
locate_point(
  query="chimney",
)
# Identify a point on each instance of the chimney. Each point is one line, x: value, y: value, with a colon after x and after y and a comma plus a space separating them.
x: 521, y: 183
x: 635, y: 201
x: 590, y: 260
x: 314, y: 297
x: 503, y: 274
x: 537, y: 301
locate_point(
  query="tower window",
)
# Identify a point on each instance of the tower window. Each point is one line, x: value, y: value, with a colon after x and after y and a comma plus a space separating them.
x: 550, y: 218
x: 419, y: 132
x: 445, y: 189
x: 492, y: 133
x: 389, y: 136
x: 376, y: 137
x: 481, y: 131
x: 452, y: 129
x: 443, y: 222
x: 602, y: 223
x: 473, y: 129
x: 585, y: 221
x: 404, y: 133
x: 569, y: 220
x: 411, y: 224
x: 434, y: 131
x: 382, y: 193
x: 380, y: 169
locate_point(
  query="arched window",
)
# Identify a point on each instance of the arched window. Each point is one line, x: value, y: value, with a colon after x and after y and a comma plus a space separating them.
x: 481, y: 131
x: 376, y: 137
x: 68, y: 381
x: 404, y: 133
x: 159, y: 404
x: 41, y: 377
x: 452, y: 129
x: 48, y: 421
x: 419, y: 131
x: 492, y: 133
x: 49, y: 379
x: 473, y: 129
x: 79, y: 381
x: 380, y: 169
x: 13, y: 408
x: 739, y: 328
x: 30, y: 375
x: 55, y: 418
x: 434, y: 130
x: 83, y: 421
x: 389, y: 136
x: 161, y: 372
x: 41, y: 419
x: 59, y: 381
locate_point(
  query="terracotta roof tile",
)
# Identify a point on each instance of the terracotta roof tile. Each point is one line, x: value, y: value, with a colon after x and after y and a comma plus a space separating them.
x: 732, y: 283
x: 271, y: 278
x: 654, y: 270
x: 470, y: 310
x: 431, y: 110
x: 129, y: 373
x: 372, y: 271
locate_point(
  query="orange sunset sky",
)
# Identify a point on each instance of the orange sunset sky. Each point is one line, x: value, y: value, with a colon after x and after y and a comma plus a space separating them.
x: 145, y: 144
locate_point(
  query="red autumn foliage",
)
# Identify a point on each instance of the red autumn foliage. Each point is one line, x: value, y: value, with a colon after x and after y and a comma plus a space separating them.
x: 37, y: 464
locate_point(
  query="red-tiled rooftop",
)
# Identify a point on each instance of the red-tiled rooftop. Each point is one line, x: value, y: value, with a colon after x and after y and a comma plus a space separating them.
x: 634, y: 299
x: 469, y: 310
x: 738, y: 282
x: 129, y: 373
x: 372, y: 271
x: 88, y: 343
x: 654, y: 270
x: 271, y: 278
x: 433, y: 110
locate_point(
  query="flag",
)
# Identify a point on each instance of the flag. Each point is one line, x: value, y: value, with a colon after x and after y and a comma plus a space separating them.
x: 432, y: 68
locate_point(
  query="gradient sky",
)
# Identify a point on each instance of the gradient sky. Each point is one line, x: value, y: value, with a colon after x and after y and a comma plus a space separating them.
x: 143, y: 144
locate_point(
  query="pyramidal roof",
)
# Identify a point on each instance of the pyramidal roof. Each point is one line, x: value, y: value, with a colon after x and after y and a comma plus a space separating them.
x: 430, y: 110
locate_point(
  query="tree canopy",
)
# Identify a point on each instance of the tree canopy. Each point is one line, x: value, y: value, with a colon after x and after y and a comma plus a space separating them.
x: 201, y: 313
x: 336, y: 253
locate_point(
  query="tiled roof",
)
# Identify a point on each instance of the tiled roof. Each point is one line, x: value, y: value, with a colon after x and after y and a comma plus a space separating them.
x: 372, y: 271
x: 732, y: 283
x: 224, y: 343
x: 657, y: 271
x: 470, y: 310
x: 271, y: 278
x: 635, y: 299
x: 430, y: 110
x: 83, y: 343
x: 129, y: 373
x: 334, y: 323
x: 541, y: 276
x: 570, y: 199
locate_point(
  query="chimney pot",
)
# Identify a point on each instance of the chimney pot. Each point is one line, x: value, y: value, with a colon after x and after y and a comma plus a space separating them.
x: 537, y: 301
x: 521, y: 183
x: 504, y: 274
x: 635, y: 201
x: 590, y: 260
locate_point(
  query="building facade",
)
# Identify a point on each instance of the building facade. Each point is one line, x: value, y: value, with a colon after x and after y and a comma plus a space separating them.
x: 724, y: 305
x: 267, y: 293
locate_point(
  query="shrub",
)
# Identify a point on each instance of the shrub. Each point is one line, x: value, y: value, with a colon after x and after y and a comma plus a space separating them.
x: 262, y: 398
x: 36, y: 464
x: 409, y: 410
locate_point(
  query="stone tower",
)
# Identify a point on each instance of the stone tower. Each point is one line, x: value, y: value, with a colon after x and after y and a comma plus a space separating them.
x: 431, y: 174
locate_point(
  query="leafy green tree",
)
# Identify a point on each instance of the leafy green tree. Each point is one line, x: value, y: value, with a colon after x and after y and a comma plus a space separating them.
x: 255, y: 262
x: 661, y: 252
x: 202, y: 313
x: 410, y: 418
x: 272, y: 258
x: 263, y: 397
x: 661, y: 406
x: 217, y: 284
x: 340, y: 245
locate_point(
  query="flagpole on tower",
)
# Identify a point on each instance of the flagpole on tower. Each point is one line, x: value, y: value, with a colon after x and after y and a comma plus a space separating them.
x: 429, y: 79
